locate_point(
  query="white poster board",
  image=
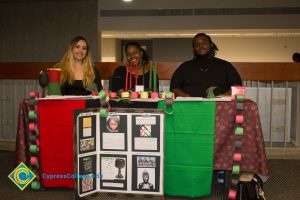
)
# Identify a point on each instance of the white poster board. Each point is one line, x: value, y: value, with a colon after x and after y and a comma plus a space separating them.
x: 120, y: 153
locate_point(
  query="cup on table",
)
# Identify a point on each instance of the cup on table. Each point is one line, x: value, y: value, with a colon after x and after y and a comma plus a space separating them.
x: 54, y: 81
x: 154, y: 95
x: 134, y: 95
x: 144, y: 95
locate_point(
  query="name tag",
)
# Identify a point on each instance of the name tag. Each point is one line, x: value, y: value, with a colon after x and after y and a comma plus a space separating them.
x: 139, y: 88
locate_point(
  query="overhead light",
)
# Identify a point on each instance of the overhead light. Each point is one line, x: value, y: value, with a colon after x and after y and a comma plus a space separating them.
x: 127, y: 0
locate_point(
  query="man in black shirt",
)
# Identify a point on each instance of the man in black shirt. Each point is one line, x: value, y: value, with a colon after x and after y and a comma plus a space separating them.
x: 205, y: 75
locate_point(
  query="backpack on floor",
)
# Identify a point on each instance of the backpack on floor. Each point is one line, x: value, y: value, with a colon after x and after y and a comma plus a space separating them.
x: 251, y: 190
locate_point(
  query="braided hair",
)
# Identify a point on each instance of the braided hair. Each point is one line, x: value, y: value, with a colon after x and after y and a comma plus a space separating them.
x: 145, y: 56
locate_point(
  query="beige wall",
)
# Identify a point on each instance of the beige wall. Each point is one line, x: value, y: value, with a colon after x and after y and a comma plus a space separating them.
x: 234, y: 49
x: 258, y: 49
x: 108, y: 50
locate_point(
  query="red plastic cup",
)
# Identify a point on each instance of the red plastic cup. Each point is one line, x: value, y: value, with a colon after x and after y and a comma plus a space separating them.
x: 54, y: 75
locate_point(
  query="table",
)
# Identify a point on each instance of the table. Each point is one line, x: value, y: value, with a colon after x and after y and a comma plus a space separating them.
x: 58, y: 150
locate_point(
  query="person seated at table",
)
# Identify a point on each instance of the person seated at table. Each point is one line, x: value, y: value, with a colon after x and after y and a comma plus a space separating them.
x: 137, y: 63
x: 78, y: 75
x: 204, y: 75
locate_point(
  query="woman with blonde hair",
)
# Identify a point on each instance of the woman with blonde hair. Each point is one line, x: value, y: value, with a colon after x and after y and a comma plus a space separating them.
x: 78, y: 75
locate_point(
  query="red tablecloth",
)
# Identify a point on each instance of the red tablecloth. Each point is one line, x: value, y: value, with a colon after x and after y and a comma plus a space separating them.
x: 21, y: 137
x: 56, y: 139
x: 253, y: 147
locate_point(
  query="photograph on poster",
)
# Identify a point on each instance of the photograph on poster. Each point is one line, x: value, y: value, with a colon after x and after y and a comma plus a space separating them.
x: 146, y: 178
x: 87, y: 144
x: 87, y: 170
x: 113, y: 130
x: 87, y: 165
x: 113, y: 168
x: 87, y: 126
x: 113, y: 123
x: 87, y: 183
x: 146, y: 161
x: 146, y: 173
x: 145, y: 130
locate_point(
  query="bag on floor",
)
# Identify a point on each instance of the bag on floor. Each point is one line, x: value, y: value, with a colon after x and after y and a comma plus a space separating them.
x: 251, y: 190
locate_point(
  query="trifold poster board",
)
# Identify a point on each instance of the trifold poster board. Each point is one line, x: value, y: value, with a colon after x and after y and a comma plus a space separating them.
x: 120, y: 153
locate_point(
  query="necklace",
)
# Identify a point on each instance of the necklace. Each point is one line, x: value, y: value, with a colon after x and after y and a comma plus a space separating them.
x: 203, y: 69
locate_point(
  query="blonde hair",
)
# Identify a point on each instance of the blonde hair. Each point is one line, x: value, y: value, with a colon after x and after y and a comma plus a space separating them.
x: 67, y: 62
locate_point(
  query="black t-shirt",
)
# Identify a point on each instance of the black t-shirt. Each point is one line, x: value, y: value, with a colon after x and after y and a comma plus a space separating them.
x: 195, y: 76
x: 77, y: 88
x: 118, y: 80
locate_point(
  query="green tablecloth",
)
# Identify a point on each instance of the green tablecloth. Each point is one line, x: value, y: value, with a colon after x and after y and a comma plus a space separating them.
x: 189, y: 147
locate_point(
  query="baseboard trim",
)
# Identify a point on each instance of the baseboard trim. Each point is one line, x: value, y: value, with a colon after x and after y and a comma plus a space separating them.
x: 281, y: 153
x: 8, y: 145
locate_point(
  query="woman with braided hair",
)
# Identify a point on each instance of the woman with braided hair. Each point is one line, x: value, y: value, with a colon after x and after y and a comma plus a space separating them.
x: 138, y: 59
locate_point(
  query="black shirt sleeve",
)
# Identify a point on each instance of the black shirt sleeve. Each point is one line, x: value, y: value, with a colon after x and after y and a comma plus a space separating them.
x: 233, y: 79
x: 117, y: 81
